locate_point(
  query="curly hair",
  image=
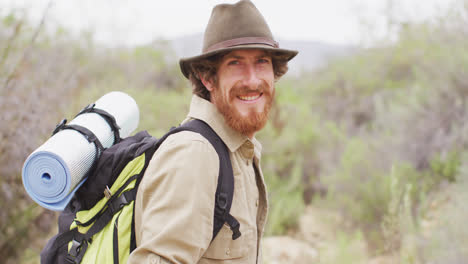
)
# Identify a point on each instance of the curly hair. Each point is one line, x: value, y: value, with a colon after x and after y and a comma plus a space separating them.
x: 207, y: 68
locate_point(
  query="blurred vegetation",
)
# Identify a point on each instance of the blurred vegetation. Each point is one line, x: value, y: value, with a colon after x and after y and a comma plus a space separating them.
x: 379, y: 137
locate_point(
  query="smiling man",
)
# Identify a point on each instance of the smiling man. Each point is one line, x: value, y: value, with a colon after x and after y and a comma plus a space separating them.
x: 233, y: 85
x: 244, y: 91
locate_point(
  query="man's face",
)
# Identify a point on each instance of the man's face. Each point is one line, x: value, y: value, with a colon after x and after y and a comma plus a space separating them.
x: 244, y: 90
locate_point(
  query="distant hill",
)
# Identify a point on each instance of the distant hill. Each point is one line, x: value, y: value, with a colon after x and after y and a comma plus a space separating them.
x: 315, y: 54
x: 312, y: 54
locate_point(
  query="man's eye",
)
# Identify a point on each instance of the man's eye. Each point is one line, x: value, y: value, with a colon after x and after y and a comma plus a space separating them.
x: 263, y: 60
x: 233, y: 62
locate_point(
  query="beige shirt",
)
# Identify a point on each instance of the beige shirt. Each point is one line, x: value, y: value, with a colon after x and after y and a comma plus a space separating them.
x: 174, y: 207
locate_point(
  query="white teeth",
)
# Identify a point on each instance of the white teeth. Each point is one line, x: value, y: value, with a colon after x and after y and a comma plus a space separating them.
x: 248, y: 98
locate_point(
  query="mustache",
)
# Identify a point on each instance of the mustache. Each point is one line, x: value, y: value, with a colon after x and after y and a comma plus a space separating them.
x: 243, y: 89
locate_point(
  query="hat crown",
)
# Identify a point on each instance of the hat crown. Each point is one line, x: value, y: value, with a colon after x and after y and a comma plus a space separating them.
x: 240, y: 20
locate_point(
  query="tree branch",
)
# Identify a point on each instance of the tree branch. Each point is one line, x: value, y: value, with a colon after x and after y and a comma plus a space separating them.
x: 28, y: 48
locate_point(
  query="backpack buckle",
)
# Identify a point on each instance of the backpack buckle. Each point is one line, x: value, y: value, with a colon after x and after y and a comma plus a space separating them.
x: 77, y: 251
x: 59, y: 126
x: 74, y: 252
x: 107, y: 192
x: 221, y: 204
x: 118, y: 203
x: 222, y: 200
x: 86, y: 109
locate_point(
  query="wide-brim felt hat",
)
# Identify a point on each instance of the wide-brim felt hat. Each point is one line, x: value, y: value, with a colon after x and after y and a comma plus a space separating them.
x: 232, y: 27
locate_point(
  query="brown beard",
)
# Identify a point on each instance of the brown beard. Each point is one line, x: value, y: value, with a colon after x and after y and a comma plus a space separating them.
x: 245, y: 125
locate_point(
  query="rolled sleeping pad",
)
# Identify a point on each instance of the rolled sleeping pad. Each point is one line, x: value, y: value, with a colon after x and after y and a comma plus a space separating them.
x: 55, y: 170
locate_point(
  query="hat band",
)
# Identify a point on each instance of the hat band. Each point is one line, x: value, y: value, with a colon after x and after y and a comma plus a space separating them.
x: 242, y: 41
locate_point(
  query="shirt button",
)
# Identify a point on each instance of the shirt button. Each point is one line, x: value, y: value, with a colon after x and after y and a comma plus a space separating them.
x: 256, y: 203
x: 154, y: 259
x: 228, y: 251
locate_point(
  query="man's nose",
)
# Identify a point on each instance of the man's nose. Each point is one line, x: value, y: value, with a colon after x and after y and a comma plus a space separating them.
x: 252, y: 77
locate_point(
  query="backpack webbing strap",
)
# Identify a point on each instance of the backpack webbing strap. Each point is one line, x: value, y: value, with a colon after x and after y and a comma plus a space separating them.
x: 115, y: 206
x: 110, y: 119
x: 88, y: 134
x: 225, y: 187
x: 111, y: 204
x: 80, y: 245
x: 71, y: 236
x: 80, y: 241
x: 234, y: 225
x: 77, y: 251
x: 64, y: 238
x: 115, y: 242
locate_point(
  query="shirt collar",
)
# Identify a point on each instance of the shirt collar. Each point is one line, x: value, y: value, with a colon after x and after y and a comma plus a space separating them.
x: 206, y: 111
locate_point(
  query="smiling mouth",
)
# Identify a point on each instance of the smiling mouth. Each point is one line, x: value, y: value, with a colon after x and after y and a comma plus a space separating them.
x: 250, y: 98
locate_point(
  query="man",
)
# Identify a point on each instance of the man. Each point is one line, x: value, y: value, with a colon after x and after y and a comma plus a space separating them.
x: 233, y: 85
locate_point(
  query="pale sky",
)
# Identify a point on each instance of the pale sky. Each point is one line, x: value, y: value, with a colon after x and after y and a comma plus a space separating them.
x: 130, y: 22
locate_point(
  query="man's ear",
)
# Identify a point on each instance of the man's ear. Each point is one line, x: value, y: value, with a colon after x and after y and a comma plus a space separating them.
x: 208, y: 83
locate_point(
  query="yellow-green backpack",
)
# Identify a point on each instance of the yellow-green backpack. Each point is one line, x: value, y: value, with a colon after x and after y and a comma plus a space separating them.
x: 97, y: 226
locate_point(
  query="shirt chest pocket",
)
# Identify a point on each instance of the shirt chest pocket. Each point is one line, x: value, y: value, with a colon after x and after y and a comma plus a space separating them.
x: 224, y: 248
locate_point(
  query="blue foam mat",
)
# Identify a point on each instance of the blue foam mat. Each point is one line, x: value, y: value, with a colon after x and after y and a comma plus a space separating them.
x: 47, y: 180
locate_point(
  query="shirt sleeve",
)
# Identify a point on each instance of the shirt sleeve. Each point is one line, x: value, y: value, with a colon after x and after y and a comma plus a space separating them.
x: 175, y: 202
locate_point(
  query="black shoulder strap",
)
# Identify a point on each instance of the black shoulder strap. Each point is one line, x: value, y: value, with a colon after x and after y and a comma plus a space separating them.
x: 225, y: 187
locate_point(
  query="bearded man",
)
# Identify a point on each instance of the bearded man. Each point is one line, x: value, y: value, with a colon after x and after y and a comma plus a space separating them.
x: 233, y: 85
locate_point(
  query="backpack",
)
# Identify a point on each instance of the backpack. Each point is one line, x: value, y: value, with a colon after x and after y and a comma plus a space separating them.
x: 97, y: 225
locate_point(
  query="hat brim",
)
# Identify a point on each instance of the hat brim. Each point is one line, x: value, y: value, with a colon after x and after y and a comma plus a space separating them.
x: 185, y: 62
